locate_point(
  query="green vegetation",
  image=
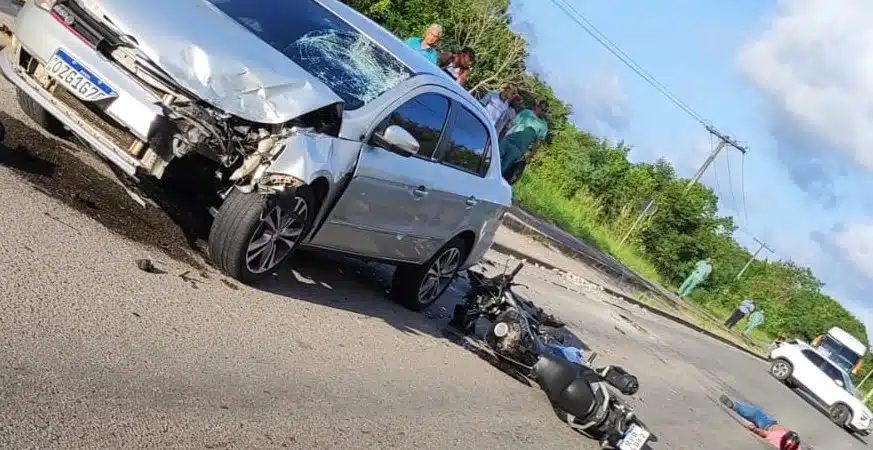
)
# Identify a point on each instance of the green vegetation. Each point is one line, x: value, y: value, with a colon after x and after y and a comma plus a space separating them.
x: 588, y: 187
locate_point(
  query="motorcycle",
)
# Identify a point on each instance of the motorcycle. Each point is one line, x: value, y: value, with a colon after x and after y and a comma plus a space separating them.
x: 527, y: 338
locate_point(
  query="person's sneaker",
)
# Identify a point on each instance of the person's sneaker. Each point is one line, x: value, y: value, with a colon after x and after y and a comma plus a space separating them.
x: 726, y: 401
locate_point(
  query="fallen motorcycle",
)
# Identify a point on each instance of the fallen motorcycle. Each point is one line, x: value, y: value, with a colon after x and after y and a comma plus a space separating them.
x: 524, y: 335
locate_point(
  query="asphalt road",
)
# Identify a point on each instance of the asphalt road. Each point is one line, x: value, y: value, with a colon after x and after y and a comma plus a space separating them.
x: 97, y: 353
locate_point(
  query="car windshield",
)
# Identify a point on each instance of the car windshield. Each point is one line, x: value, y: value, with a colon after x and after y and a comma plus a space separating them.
x: 323, y: 44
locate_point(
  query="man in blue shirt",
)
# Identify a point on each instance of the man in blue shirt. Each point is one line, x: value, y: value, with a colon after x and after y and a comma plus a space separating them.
x: 427, y: 45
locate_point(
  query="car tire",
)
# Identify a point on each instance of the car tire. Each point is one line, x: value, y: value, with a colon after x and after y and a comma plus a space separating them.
x: 412, y: 284
x: 840, y: 415
x: 39, y: 115
x: 254, y: 233
x: 781, y: 370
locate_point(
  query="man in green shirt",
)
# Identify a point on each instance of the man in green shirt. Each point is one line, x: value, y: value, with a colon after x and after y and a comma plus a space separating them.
x: 427, y: 45
x: 528, y: 129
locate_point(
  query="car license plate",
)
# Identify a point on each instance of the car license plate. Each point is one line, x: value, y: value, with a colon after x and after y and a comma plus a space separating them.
x: 635, y: 438
x: 77, y: 78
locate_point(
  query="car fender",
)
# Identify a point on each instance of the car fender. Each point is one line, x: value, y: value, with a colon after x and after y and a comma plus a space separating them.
x: 308, y: 156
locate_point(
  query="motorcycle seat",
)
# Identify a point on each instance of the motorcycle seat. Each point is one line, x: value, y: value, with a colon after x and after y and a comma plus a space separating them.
x: 567, y: 385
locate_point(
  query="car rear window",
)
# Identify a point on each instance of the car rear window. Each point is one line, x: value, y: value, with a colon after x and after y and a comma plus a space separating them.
x: 324, y: 45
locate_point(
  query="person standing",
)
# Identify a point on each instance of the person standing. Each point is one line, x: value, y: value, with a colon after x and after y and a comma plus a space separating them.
x: 755, y: 320
x: 528, y: 130
x: 498, y: 105
x: 746, y: 306
x: 701, y: 271
x: 458, y: 64
x: 426, y: 45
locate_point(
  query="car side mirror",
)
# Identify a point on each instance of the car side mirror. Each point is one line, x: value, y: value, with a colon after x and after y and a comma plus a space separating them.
x: 397, y: 139
x: 839, y: 383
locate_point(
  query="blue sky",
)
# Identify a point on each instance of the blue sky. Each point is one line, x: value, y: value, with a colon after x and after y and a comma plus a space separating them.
x: 793, y: 80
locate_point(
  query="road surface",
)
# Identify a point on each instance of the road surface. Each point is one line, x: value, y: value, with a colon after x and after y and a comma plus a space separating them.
x: 95, y: 352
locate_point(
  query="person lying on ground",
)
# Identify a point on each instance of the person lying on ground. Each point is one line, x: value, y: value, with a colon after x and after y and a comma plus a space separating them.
x: 760, y: 423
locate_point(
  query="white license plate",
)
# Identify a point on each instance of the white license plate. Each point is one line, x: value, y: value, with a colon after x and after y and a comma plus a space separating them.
x: 635, y: 438
x: 77, y: 78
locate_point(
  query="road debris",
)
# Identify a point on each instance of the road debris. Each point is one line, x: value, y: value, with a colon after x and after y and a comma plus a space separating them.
x: 146, y: 265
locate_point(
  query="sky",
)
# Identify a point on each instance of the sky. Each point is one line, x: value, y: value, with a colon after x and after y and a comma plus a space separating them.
x: 792, y: 80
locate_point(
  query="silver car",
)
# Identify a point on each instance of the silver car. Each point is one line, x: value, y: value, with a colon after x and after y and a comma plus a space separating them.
x: 315, y: 126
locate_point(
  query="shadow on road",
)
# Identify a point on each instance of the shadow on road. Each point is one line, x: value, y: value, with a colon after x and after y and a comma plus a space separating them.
x: 169, y: 215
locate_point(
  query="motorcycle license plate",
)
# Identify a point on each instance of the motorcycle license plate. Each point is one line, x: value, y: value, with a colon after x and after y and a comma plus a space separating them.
x: 635, y: 438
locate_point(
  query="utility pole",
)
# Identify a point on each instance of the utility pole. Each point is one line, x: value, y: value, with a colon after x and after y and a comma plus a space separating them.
x: 870, y: 372
x: 749, y: 262
x: 723, y: 141
x: 637, y: 221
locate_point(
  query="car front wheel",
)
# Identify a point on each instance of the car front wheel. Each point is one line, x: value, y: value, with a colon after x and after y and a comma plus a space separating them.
x: 253, y: 233
x: 417, y: 287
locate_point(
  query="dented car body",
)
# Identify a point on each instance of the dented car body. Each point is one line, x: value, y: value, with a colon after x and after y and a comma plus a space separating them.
x: 321, y: 128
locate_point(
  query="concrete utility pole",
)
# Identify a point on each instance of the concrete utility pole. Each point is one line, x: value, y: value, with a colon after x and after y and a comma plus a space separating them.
x: 723, y: 141
x: 749, y: 262
x: 649, y: 205
x: 869, y: 372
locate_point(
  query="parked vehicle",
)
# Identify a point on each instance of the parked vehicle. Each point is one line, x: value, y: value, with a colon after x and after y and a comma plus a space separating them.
x: 314, y: 125
x: 800, y: 365
x: 841, y: 348
x: 585, y: 397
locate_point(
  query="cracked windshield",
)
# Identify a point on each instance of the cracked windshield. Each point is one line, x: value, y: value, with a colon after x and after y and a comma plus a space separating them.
x: 533, y: 224
x: 322, y: 44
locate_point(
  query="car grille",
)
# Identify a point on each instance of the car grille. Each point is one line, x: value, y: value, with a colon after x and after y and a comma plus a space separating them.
x: 96, y: 118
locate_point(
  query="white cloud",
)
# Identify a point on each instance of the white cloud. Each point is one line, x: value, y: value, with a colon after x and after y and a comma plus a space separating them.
x: 815, y: 62
x: 855, y: 242
x: 601, y: 104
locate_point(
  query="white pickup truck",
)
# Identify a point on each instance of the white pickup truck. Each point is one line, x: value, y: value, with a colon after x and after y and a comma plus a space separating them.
x: 799, y: 365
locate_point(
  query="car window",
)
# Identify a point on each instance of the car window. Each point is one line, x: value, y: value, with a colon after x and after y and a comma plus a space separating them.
x: 468, y: 142
x: 814, y: 358
x: 835, y: 374
x: 424, y: 117
x: 349, y: 63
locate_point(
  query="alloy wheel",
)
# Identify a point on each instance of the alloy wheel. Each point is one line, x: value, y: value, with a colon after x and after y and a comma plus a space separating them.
x: 279, y: 231
x: 780, y: 369
x: 439, y: 275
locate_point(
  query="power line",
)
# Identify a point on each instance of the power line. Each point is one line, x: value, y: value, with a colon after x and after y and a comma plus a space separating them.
x: 592, y: 30
x: 743, y: 187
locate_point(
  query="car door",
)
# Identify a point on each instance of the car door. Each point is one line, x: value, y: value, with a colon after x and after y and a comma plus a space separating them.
x: 830, y: 395
x: 813, y: 378
x: 381, y: 213
x: 457, y: 183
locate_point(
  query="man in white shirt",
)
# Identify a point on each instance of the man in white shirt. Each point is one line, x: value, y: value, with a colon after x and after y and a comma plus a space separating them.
x: 498, y: 105
x: 745, y: 307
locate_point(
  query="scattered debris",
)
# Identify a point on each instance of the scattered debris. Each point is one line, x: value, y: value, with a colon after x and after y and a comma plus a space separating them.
x: 192, y: 281
x: 146, y: 265
x: 229, y: 284
x: 58, y: 220
x: 136, y: 314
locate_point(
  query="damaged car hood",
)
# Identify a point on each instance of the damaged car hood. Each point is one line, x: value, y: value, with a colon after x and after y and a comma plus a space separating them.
x: 216, y: 58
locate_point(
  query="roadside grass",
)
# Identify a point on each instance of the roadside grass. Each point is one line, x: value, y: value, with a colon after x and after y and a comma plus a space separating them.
x: 578, y: 216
